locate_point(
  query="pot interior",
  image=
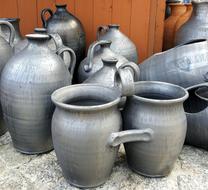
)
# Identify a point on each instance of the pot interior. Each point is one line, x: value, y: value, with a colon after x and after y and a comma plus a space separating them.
x: 158, y: 91
x: 196, y: 103
x: 87, y: 95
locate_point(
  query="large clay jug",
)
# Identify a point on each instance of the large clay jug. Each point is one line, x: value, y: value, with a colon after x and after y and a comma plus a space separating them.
x: 86, y: 130
x: 93, y: 62
x: 158, y: 106
x: 6, y: 52
x: 177, y: 10
x: 68, y: 27
x: 27, y: 82
x: 197, y: 26
x: 121, y: 44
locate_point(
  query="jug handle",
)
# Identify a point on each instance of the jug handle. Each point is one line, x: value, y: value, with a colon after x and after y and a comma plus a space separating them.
x: 11, y: 30
x: 70, y: 66
x: 134, y: 68
x: 89, y: 64
x: 134, y: 135
x: 57, y: 40
x: 43, y: 12
x: 103, y: 29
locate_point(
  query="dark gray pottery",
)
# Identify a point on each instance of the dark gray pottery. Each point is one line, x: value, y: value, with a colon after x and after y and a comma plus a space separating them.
x: 27, y: 82
x: 85, y: 131
x: 111, y: 76
x: 6, y: 52
x: 68, y: 27
x: 197, y: 26
x: 158, y: 106
x: 93, y: 62
x: 184, y: 65
x: 196, y: 107
x: 121, y: 44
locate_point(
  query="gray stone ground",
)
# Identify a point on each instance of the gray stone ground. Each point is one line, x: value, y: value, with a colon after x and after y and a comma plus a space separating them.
x: 19, y: 171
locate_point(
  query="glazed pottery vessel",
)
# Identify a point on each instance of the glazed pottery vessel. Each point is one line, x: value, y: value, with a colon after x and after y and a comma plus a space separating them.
x: 121, y: 44
x: 185, y: 65
x: 177, y: 10
x: 93, y: 62
x: 196, y: 107
x: 68, y: 27
x: 6, y: 52
x: 109, y: 75
x: 86, y: 131
x: 158, y: 106
x: 27, y: 82
x: 197, y: 26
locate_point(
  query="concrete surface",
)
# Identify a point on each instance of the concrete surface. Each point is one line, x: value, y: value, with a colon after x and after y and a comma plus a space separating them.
x: 19, y: 171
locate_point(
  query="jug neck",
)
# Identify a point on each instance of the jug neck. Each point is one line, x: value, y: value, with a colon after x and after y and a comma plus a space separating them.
x: 15, y: 23
x: 200, y: 10
x: 177, y: 9
x: 113, y: 26
x: 109, y: 62
x: 60, y: 9
x: 38, y: 41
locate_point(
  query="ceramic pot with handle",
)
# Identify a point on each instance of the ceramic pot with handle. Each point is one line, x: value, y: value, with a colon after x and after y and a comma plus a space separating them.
x: 27, y: 82
x: 196, y: 108
x: 86, y: 131
x: 157, y: 106
x: 121, y: 44
x: 93, y: 62
x: 6, y: 52
x: 68, y: 27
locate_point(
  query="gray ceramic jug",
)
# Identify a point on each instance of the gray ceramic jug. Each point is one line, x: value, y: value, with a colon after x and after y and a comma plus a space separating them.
x: 6, y: 52
x: 68, y: 27
x: 197, y: 25
x: 93, y: 62
x: 121, y: 44
x: 27, y: 82
x: 196, y: 107
x: 184, y: 65
x: 109, y: 75
x: 86, y: 131
x: 158, y: 106
x: 5, y: 32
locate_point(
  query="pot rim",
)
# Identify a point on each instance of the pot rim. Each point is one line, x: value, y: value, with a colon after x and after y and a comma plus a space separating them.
x: 199, y: 1
x: 9, y: 19
x: 67, y: 89
x: 197, y: 91
x: 163, y: 102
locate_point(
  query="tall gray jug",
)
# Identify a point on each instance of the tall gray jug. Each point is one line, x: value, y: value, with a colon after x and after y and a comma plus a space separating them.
x: 27, y: 82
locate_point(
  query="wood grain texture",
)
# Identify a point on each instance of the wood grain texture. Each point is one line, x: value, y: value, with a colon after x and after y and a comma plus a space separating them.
x: 8, y: 8
x: 28, y: 15
x: 140, y: 16
x: 84, y: 11
x: 102, y: 14
x: 121, y: 14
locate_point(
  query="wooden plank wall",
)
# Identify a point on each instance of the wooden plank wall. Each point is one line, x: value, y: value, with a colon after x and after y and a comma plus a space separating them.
x: 141, y: 20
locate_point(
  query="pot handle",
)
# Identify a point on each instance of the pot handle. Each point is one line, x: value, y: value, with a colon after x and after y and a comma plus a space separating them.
x: 57, y: 40
x: 11, y: 30
x: 72, y: 63
x: 102, y: 29
x: 43, y: 12
x: 134, y: 69
x: 135, y: 135
x: 89, y: 64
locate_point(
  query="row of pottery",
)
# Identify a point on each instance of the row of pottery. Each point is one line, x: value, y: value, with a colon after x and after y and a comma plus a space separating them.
x: 87, y: 129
